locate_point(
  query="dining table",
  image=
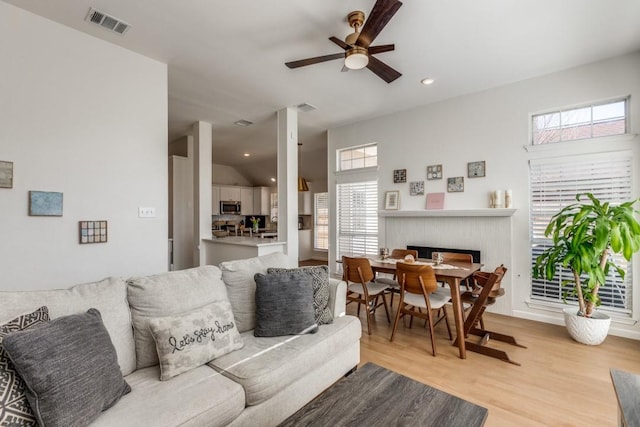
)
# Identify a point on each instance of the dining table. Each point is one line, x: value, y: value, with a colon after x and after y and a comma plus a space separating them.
x: 452, y: 273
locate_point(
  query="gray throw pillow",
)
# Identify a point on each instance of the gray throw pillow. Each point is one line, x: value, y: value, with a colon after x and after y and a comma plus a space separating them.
x: 284, y: 305
x: 14, y: 407
x: 320, y: 284
x: 189, y: 340
x: 70, y: 368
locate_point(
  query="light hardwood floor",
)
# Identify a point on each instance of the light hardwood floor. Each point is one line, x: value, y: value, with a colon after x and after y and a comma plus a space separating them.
x: 560, y: 382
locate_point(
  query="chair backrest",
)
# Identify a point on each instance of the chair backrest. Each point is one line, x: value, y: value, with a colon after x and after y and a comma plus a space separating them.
x: 452, y: 256
x: 496, y: 289
x: 357, y: 270
x: 416, y: 278
x: 401, y: 253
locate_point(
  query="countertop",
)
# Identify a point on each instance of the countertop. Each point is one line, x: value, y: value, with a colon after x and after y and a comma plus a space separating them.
x: 244, y: 241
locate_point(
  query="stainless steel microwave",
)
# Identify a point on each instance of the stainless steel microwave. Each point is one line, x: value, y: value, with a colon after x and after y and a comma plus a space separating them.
x: 230, y: 208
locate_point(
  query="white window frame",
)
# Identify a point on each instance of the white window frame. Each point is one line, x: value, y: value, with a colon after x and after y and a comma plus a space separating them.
x: 357, y: 158
x: 321, y: 221
x: 357, y: 230
x: 609, y: 176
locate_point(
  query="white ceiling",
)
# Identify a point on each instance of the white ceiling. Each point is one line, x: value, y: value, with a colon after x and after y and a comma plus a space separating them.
x: 226, y: 58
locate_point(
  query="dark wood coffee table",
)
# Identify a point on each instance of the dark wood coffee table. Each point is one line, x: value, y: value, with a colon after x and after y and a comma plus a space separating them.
x: 375, y: 396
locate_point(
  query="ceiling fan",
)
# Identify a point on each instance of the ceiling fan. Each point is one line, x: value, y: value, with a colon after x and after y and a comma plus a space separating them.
x: 358, y: 52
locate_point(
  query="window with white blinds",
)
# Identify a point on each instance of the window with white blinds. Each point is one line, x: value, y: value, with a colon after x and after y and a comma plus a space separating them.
x: 357, y: 226
x: 321, y: 218
x: 554, y: 185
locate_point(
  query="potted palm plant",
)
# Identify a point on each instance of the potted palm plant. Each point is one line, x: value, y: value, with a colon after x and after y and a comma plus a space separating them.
x: 584, y: 236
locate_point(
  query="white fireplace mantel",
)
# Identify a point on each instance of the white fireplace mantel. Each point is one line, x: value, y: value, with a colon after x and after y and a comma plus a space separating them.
x: 447, y: 213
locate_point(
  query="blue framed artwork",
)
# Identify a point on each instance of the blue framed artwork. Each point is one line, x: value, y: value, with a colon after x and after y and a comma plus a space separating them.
x: 45, y: 203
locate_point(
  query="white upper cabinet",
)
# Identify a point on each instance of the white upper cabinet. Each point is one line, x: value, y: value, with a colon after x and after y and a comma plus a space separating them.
x: 215, y: 200
x: 230, y: 194
x: 246, y: 201
x: 261, y: 200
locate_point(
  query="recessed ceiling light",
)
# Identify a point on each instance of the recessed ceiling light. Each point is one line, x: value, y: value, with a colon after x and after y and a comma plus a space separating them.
x: 243, y: 123
x: 427, y: 81
x: 273, y: 179
x: 246, y: 154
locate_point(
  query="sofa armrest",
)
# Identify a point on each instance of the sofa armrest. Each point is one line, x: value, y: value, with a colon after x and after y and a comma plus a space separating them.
x: 337, y: 297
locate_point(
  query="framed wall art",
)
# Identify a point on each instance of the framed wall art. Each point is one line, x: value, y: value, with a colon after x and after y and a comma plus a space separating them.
x: 45, y: 203
x: 392, y: 200
x: 416, y: 188
x: 399, y: 176
x: 434, y: 172
x: 476, y: 169
x: 92, y: 231
x: 455, y: 185
x: 6, y: 174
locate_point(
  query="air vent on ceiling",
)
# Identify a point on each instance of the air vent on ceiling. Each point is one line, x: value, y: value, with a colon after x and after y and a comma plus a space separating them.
x: 243, y: 123
x: 305, y: 107
x: 106, y: 21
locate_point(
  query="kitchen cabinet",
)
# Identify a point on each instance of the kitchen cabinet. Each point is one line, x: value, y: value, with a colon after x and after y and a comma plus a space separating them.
x: 261, y: 200
x: 215, y: 200
x: 305, y: 244
x: 246, y: 201
x: 228, y: 194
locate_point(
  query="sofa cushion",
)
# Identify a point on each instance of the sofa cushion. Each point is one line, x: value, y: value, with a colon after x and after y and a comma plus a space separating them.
x: 200, y: 397
x: 320, y: 276
x: 14, y: 407
x: 189, y: 340
x: 241, y: 286
x: 70, y: 368
x: 265, y: 366
x: 168, y: 294
x: 109, y: 296
x: 284, y: 305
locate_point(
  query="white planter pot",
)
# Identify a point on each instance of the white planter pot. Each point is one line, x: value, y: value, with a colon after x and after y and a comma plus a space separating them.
x: 587, y: 330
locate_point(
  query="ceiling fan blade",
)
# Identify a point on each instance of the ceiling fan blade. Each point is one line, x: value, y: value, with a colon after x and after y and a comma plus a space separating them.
x: 380, y: 15
x: 382, y: 70
x: 381, y: 48
x: 339, y: 42
x: 315, y: 60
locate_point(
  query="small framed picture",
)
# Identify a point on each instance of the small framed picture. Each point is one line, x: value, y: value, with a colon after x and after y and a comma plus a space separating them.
x: 45, y: 203
x: 92, y: 231
x: 416, y: 188
x: 392, y: 200
x: 455, y: 185
x: 399, y: 176
x: 6, y: 174
x: 434, y: 172
x: 476, y: 169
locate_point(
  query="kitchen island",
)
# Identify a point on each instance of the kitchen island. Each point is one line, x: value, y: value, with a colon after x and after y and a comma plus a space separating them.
x: 239, y: 247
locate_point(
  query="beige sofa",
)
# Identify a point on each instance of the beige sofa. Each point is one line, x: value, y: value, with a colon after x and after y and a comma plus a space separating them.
x: 259, y: 385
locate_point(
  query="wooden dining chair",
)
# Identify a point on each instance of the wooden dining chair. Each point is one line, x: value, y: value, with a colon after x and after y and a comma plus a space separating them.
x: 392, y: 283
x: 417, y: 286
x: 487, y: 289
x: 361, y: 288
x: 457, y: 257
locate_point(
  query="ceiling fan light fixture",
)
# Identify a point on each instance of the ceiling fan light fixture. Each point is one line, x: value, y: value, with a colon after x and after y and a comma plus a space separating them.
x: 356, y: 58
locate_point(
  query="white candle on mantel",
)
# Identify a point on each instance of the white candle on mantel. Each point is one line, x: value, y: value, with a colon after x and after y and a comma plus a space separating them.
x: 499, y: 199
x: 507, y: 199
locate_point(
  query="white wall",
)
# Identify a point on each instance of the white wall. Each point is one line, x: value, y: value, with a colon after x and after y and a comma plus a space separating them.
x: 88, y: 119
x: 491, y: 126
x: 228, y: 175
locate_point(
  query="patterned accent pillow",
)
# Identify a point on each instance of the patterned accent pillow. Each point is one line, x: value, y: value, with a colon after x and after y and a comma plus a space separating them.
x: 14, y: 407
x: 320, y: 276
x: 189, y: 340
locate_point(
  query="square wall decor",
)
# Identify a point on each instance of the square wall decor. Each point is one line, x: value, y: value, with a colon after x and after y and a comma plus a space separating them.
x: 476, y: 169
x: 93, y: 231
x: 45, y: 203
x: 399, y: 176
x: 455, y: 185
x: 434, y: 172
x: 416, y: 188
x: 6, y: 174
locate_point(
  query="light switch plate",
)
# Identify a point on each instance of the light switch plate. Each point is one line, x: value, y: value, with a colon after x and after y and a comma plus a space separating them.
x: 146, y: 212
